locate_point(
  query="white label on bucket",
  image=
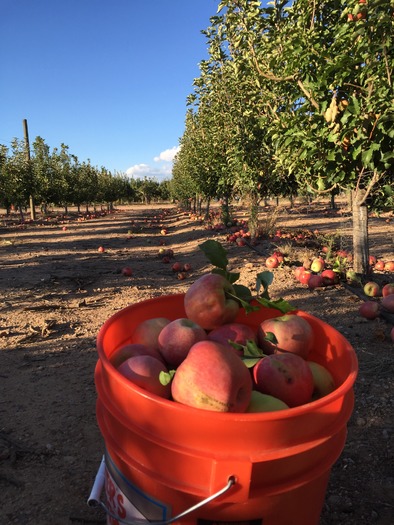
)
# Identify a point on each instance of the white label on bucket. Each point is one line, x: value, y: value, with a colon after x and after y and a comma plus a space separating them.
x: 118, y: 504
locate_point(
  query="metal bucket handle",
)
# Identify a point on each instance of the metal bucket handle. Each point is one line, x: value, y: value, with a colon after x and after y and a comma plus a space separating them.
x: 94, y: 500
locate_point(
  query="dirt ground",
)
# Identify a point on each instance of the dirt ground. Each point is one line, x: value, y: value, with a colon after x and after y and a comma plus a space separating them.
x: 56, y: 292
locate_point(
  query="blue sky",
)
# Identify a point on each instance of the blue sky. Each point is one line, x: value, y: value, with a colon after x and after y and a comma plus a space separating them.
x: 108, y: 78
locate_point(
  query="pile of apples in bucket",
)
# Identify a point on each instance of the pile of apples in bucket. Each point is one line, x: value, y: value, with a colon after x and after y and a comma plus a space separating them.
x: 210, y: 361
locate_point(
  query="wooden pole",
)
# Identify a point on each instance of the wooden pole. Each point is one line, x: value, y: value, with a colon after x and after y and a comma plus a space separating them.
x: 27, y: 145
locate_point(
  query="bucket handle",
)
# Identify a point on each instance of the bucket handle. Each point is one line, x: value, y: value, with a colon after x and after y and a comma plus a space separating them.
x: 94, y: 500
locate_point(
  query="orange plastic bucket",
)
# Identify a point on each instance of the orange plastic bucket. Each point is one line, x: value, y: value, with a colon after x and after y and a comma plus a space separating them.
x: 172, y: 456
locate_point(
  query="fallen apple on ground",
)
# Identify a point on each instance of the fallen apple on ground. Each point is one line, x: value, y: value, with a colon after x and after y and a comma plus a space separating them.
x: 379, y: 266
x: 212, y: 378
x: 265, y: 403
x: 176, y: 267
x: 286, y: 377
x: 315, y: 281
x: 371, y: 289
x: 317, y: 265
x: 272, y: 262
x: 176, y: 339
x: 388, y: 303
x: 388, y: 289
x: 305, y: 276
x: 369, y: 310
x: 293, y: 335
x: 329, y: 277
x: 298, y: 271
x: 127, y: 271
x: 389, y: 266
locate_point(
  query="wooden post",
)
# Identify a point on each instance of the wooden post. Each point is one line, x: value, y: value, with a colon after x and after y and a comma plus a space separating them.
x: 27, y: 145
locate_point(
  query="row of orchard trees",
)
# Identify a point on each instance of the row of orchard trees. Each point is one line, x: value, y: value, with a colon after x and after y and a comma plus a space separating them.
x: 58, y: 178
x: 294, y: 97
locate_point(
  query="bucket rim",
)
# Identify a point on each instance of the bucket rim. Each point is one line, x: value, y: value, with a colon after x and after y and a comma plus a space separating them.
x: 168, y: 404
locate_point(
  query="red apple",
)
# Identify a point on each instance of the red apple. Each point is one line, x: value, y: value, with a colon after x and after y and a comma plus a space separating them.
x: 144, y: 371
x: 101, y: 249
x: 176, y: 339
x: 279, y: 255
x: 212, y: 378
x: 315, y: 281
x: 286, y: 377
x: 329, y: 277
x: 369, y: 310
x: 272, y: 262
x: 298, y: 271
x: 388, y: 303
x: 379, y: 266
x: 127, y: 271
x: 323, y: 382
x: 235, y: 332
x: 388, y: 289
x: 147, y: 332
x: 305, y: 276
x: 372, y: 260
x: 176, y: 267
x: 317, y: 265
x: 389, y: 266
x: 372, y: 289
x: 207, y: 302
x: 187, y: 267
x: 181, y: 276
x: 293, y: 333
x: 125, y: 352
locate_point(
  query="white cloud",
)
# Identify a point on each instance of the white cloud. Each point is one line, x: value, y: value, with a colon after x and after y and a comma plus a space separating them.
x: 167, y: 155
x: 161, y: 172
x: 140, y: 171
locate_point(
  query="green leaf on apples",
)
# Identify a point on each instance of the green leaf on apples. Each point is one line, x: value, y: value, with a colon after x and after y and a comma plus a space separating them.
x: 165, y: 378
x: 271, y: 338
x: 264, y: 279
x: 244, y: 304
x: 242, y: 292
x: 215, y: 253
x: 252, y: 353
x: 280, y: 304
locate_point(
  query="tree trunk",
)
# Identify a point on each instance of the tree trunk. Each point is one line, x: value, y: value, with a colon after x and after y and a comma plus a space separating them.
x: 254, y: 216
x: 32, y: 208
x: 225, y: 210
x: 360, y: 234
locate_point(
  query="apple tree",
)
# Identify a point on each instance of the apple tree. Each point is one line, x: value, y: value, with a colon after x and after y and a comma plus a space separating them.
x: 325, y: 70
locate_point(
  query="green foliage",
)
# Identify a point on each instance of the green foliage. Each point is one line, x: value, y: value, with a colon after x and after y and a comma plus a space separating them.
x: 58, y: 178
x: 217, y: 256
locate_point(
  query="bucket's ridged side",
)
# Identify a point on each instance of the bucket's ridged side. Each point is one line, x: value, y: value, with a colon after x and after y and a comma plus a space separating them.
x: 281, y: 460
